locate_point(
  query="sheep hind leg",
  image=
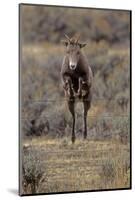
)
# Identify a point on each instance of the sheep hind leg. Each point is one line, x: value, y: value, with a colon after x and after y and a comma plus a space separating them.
x: 71, y: 106
x: 86, y: 104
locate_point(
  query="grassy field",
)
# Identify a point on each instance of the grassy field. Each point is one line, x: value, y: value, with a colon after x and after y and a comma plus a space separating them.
x: 87, y: 165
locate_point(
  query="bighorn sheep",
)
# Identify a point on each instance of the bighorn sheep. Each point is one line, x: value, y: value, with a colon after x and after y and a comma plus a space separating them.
x: 76, y: 76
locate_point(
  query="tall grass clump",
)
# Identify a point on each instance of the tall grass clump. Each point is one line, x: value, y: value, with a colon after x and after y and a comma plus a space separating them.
x: 33, y: 171
x: 115, y: 172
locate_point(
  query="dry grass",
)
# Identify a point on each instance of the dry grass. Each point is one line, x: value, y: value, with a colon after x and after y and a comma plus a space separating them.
x: 82, y: 166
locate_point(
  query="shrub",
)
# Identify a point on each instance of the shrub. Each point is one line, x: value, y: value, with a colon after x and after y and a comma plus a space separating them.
x: 115, y: 172
x: 33, y: 170
x: 108, y: 171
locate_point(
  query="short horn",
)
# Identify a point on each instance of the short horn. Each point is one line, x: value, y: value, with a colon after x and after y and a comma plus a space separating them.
x: 67, y: 37
x: 77, y: 38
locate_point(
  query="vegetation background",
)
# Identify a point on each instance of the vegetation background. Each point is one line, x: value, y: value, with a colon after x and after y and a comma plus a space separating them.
x: 50, y: 163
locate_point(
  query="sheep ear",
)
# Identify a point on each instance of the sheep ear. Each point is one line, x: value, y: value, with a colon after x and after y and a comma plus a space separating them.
x: 64, y: 42
x: 82, y: 45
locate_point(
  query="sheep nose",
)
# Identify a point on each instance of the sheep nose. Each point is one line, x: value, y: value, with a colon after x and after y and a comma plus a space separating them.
x: 72, y: 66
